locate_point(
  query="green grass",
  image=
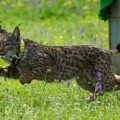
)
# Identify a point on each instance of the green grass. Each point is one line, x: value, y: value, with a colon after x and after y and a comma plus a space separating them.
x: 54, y: 25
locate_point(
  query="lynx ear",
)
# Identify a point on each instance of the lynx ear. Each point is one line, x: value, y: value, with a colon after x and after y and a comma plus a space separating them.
x: 16, y: 32
x: 28, y: 42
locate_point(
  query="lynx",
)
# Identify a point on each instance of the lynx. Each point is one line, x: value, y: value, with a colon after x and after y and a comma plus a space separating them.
x: 50, y: 63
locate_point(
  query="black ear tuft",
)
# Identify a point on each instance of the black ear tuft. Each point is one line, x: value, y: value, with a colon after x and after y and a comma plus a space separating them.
x: 18, y: 25
x: 118, y: 47
x: 0, y: 26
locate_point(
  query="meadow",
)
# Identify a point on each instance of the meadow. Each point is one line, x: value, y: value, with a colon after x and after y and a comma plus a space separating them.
x: 52, y: 22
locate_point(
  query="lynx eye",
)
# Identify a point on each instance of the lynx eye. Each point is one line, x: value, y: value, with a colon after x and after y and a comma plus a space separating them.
x: 6, y: 44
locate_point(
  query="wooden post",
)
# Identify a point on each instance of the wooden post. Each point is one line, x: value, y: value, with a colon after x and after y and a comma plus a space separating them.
x: 114, y: 32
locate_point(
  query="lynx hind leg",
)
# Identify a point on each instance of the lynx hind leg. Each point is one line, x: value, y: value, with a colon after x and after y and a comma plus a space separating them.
x: 84, y: 82
x: 107, y: 83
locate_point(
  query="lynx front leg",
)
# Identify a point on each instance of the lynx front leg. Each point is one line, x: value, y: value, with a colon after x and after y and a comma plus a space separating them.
x: 36, y: 73
x: 26, y: 77
x: 9, y: 72
x: 3, y: 72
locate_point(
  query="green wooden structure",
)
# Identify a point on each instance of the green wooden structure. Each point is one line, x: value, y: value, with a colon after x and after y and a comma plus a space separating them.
x: 104, y: 9
x: 110, y: 10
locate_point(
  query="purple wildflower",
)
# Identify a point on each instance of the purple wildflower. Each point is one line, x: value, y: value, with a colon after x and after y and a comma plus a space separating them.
x: 26, y: 22
x: 81, y: 29
x: 91, y: 97
x: 68, y: 83
x: 99, y: 87
x: 44, y: 31
x: 99, y: 75
x: 7, y: 98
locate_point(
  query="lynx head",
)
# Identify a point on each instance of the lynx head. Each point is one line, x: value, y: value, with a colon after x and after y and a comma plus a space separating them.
x: 10, y: 44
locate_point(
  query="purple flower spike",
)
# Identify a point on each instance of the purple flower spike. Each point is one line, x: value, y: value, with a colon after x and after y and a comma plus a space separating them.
x: 26, y: 22
x: 7, y: 98
x: 68, y: 83
x: 99, y: 87
x: 99, y: 75
x: 81, y: 29
x: 91, y: 97
x: 44, y: 31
